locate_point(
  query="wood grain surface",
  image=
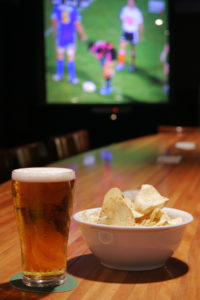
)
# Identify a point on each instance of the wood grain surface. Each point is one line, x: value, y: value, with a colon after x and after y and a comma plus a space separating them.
x: 126, y: 165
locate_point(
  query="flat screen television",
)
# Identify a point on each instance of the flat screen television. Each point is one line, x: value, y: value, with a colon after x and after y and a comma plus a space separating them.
x: 100, y: 52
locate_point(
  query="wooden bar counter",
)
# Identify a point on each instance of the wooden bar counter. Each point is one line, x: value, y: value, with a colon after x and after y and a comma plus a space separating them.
x: 155, y: 159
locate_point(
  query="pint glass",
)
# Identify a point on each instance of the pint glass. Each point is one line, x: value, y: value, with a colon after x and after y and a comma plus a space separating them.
x: 43, y: 200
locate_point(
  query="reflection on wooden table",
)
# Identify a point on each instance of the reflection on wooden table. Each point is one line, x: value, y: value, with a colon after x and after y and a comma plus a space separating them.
x: 126, y: 165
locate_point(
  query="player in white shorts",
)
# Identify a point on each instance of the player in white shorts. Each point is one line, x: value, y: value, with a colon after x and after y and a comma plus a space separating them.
x: 132, y: 32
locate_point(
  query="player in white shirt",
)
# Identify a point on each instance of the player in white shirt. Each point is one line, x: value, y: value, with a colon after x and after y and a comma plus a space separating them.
x: 132, y: 32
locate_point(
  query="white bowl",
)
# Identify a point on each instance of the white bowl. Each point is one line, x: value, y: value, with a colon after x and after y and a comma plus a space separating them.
x: 133, y: 248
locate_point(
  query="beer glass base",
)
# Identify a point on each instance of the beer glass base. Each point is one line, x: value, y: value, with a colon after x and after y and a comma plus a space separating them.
x: 44, y: 282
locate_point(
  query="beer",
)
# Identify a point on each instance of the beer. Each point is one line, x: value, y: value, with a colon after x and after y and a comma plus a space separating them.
x: 43, y: 200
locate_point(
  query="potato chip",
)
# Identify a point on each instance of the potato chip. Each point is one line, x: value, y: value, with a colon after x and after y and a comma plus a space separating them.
x: 175, y: 221
x: 148, y: 219
x: 91, y: 218
x: 164, y: 219
x: 148, y: 198
x: 144, y: 210
x: 151, y: 219
x: 131, y: 204
x: 155, y: 215
x: 147, y: 223
x: 116, y: 210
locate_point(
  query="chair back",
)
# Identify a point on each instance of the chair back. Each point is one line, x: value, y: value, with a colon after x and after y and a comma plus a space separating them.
x: 6, y: 164
x: 70, y: 144
x: 32, y: 155
x: 81, y: 141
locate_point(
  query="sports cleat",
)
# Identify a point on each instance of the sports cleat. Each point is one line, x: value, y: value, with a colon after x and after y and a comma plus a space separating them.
x: 105, y: 90
x: 131, y: 69
x: 119, y: 67
x: 74, y: 81
x: 56, y: 77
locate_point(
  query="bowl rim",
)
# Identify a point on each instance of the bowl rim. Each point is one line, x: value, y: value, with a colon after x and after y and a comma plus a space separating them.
x: 177, y: 213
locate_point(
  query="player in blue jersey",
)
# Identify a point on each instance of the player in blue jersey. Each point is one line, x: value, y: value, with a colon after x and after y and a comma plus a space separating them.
x: 66, y: 22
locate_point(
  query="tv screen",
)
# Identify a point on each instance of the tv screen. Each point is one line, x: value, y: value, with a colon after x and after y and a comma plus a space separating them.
x: 106, y: 52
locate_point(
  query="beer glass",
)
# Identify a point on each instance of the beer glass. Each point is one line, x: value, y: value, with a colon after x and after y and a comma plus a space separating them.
x: 43, y: 200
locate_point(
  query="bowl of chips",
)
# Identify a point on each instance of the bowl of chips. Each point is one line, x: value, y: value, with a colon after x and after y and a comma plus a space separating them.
x: 133, y: 230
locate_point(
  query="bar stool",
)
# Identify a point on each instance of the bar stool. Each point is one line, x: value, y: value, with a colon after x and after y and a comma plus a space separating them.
x: 6, y: 164
x: 32, y: 155
x: 61, y: 147
x: 81, y: 140
x: 70, y: 144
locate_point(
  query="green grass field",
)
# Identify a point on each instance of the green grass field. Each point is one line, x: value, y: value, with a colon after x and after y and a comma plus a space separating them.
x: 101, y: 21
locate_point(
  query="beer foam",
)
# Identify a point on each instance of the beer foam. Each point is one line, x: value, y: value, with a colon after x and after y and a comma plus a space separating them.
x: 43, y: 174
